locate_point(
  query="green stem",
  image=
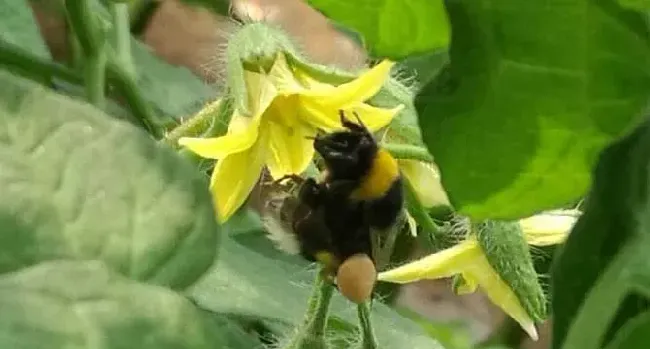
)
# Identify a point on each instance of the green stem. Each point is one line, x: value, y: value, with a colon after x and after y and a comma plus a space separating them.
x: 95, y: 77
x: 431, y: 236
x: 127, y: 87
x: 122, y: 36
x: 311, y: 333
x: 195, y: 125
x: 84, y: 24
x: 33, y: 67
x: 369, y: 341
x: 91, y: 39
x: 406, y: 151
x: 386, y: 250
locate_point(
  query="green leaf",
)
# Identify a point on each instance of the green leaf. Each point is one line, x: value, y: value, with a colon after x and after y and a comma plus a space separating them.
x: 424, y: 67
x: 640, y: 5
x: 68, y: 304
x: 174, y: 91
x: 606, y: 253
x: 635, y: 334
x: 517, y: 120
x: 251, y: 283
x: 78, y: 184
x: 385, y: 25
x: 18, y: 27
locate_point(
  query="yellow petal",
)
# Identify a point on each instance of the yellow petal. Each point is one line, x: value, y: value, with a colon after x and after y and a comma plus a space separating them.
x: 328, y: 119
x: 289, y: 150
x: 500, y: 293
x: 374, y: 118
x: 548, y: 228
x: 426, y: 181
x: 261, y: 92
x: 283, y: 78
x: 356, y: 91
x: 233, y: 179
x: 442, y: 264
x: 242, y: 135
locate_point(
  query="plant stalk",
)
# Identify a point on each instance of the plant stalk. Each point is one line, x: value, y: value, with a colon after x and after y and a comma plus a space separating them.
x: 431, y: 238
x: 311, y: 333
x: 368, y: 339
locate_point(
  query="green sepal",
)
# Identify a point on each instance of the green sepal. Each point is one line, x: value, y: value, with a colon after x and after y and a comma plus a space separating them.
x: 508, y: 253
x: 254, y: 47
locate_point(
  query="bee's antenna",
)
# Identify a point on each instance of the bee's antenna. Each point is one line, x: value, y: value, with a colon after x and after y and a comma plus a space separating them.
x: 356, y: 115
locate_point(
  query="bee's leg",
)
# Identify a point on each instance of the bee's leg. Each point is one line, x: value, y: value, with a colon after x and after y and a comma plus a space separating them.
x: 311, y: 193
x: 293, y: 177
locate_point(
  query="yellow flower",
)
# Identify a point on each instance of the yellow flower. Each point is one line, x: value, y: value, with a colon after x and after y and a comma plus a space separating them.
x: 287, y: 106
x: 469, y: 261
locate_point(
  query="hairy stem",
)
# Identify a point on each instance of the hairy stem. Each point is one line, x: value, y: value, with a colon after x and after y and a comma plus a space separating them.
x: 369, y: 341
x: 195, y: 125
x: 311, y: 333
x: 431, y: 237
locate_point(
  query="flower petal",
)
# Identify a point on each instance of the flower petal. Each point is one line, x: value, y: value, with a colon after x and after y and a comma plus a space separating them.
x: 500, y: 293
x: 289, y: 150
x: 282, y: 77
x: 242, y: 135
x: 233, y: 178
x: 356, y: 91
x: 328, y: 119
x: 442, y: 264
x: 426, y: 180
x: 548, y: 228
x: 261, y: 92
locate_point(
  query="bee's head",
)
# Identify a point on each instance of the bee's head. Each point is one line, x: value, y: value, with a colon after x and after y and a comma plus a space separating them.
x: 347, y: 153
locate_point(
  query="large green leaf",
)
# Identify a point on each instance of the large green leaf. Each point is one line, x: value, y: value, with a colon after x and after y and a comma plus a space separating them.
x: 533, y: 92
x: 635, y: 334
x: 78, y: 184
x: 258, y: 284
x: 85, y: 305
x: 392, y: 28
x: 175, y: 91
x: 18, y: 27
x: 605, y: 257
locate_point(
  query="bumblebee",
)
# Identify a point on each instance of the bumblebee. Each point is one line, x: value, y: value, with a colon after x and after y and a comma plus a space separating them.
x: 331, y: 219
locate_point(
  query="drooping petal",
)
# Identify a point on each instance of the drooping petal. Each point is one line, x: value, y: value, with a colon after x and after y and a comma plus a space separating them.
x: 500, y: 293
x: 442, y: 264
x: 261, y: 92
x: 289, y: 150
x: 426, y: 181
x: 243, y: 132
x: 549, y: 228
x: 233, y: 179
x: 356, y: 91
x: 373, y: 117
x: 282, y: 77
